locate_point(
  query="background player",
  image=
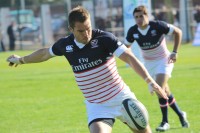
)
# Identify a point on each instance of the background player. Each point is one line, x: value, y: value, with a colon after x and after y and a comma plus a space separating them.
x: 150, y: 35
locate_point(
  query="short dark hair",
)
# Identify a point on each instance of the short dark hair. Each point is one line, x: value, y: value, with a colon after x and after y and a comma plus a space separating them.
x: 140, y: 9
x: 78, y: 14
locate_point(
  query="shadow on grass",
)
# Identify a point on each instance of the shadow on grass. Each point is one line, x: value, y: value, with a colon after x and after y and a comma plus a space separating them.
x: 173, y: 129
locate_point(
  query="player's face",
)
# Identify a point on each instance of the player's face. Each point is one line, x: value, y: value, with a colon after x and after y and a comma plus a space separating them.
x: 141, y: 19
x: 82, y: 31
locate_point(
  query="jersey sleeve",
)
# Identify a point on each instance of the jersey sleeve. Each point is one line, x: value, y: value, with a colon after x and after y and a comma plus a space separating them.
x: 113, y: 45
x: 120, y: 50
x: 171, y: 29
x: 164, y: 27
x: 55, y: 49
x: 129, y: 37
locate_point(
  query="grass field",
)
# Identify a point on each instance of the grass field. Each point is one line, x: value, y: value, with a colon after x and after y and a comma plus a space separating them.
x: 44, y: 98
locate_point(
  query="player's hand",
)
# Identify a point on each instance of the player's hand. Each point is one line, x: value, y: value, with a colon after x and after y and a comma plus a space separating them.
x: 172, y: 58
x: 154, y: 87
x: 14, y: 60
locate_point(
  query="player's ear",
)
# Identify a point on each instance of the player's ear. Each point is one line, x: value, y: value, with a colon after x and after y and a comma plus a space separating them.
x: 70, y: 29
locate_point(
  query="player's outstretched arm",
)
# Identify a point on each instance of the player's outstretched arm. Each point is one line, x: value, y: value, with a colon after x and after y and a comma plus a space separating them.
x: 139, y: 68
x: 35, y: 57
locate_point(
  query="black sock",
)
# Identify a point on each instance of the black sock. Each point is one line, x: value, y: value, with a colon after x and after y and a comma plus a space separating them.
x: 164, y: 109
x: 174, y: 105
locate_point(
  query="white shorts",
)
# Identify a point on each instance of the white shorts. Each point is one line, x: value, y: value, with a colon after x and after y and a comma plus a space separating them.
x: 110, y: 109
x: 159, y: 67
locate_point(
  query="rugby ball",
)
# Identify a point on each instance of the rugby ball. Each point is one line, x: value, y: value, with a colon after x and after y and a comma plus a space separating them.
x: 135, y: 114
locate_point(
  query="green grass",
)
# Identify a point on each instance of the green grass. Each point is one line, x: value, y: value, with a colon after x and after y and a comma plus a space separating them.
x: 44, y: 98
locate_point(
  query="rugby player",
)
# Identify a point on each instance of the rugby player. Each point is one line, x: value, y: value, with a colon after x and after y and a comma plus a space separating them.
x: 158, y: 60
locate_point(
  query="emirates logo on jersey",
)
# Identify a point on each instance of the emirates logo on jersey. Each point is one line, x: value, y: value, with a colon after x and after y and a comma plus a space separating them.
x: 69, y: 48
x: 94, y: 43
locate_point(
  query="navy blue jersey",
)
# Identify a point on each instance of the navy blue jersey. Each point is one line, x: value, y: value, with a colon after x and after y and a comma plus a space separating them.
x: 93, y: 54
x: 152, y: 42
x: 152, y: 39
x: 94, y: 65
